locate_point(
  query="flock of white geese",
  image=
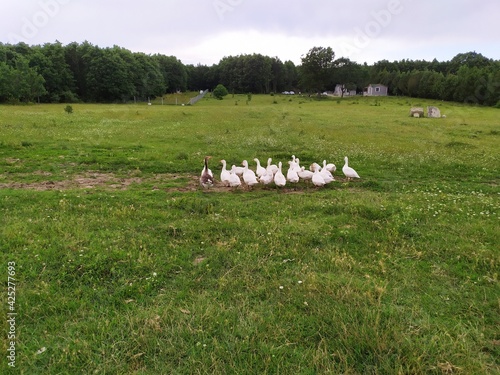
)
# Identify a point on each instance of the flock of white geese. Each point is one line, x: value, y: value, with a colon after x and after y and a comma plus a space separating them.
x: 234, y: 177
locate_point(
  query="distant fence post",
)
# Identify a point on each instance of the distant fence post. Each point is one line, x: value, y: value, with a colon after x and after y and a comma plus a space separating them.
x: 197, y: 97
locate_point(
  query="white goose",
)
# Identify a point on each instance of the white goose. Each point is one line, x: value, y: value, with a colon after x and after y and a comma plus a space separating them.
x: 317, y: 178
x: 330, y: 167
x: 294, y: 163
x: 271, y: 167
x: 207, y: 177
x: 224, y: 174
x: 292, y: 175
x: 267, y: 178
x: 239, y: 170
x: 260, y: 170
x: 325, y: 173
x: 297, y: 165
x: 279, y: 177
x: 305, y: 174
x: 348, y: 171
x: 327, y: 176
x: 234, y: 180
x: 249, y: 175
x: 314, y: 166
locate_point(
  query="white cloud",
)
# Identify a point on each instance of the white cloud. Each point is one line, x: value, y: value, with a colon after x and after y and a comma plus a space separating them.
x: 247, y: 42
x: 207, y: 30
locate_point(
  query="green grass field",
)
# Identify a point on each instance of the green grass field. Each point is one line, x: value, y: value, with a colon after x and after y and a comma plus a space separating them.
x: 123, y: 265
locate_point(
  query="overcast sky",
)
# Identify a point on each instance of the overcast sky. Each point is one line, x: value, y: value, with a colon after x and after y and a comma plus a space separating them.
x: 204, y: 31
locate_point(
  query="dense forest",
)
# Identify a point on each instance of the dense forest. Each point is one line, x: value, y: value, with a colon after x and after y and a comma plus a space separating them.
x: 54, y: 73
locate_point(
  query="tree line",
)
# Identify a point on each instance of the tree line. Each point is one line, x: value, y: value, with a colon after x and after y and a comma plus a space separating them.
x: 56, y: 73
x: 468, y: 77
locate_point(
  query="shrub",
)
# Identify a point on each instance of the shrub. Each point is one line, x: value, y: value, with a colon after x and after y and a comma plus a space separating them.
x: 220, y: 91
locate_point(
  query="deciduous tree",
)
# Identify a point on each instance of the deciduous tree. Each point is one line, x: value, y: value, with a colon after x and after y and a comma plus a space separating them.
x: 317, y: 68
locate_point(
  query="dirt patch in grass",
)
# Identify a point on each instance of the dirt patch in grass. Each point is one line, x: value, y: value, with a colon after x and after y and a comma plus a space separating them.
x: 87, y: 180
x: 102, y: 180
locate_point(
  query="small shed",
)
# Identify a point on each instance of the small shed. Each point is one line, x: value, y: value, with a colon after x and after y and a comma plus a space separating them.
x: 376, y: 89
x: 340, y: 90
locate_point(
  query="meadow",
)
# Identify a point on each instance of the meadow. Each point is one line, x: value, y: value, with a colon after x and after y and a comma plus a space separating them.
x: 124, y: 265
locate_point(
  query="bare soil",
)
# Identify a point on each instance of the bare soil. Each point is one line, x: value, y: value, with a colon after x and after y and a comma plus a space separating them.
x: 88, y: 180
x: 101, y: 180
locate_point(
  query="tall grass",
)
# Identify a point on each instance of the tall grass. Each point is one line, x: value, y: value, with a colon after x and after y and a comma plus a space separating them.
x: 394, y: 274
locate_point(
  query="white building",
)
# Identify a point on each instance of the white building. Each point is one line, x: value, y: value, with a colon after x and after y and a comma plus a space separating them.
x: 375, y: 90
